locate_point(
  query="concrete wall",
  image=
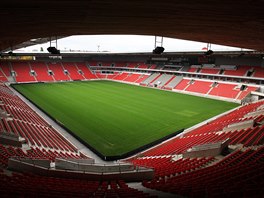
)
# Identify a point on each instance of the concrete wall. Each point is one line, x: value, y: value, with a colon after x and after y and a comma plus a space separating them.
x: 206, y: 150
x: 255, y: 113
x: 97, y: 168
x: 137, y: 175
x: 86, y: 161
x: 11, y: 139
x: 239, y: 125
x: 37, y: 162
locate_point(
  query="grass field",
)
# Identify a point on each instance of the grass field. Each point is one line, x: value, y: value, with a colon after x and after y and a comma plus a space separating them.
x: 115, y: 118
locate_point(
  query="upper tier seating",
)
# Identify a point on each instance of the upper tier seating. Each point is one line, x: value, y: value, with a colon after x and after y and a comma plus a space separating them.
x: 143, y: 66
x: 153, y: 67
x: 121, y: 64
x: 209, y: 71
x: 192, y: 69
x: 241, y: 71
x: 92, y: 63
x: 105, y: 64
x: 259, y: 72
x: 132, y: 65
x: 117, y: 64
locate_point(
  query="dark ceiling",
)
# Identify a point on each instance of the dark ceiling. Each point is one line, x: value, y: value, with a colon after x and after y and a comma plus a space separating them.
x: 228, y: 22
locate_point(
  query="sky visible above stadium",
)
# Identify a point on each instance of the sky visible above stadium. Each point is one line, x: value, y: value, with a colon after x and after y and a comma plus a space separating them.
x: 123, y: 44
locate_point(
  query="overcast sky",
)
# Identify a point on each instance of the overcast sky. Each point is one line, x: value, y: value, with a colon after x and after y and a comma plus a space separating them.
x: 124, y: 43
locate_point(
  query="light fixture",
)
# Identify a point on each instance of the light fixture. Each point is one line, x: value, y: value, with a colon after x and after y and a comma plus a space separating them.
x: 158, y: 50
x: 209, y: 53
x: 158, y: 45
x: 11, y: 53
x: 53, y: 50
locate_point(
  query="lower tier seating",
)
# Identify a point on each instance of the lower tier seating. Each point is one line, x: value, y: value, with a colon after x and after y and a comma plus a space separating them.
x: 132, y: 78
x: 58, y: 71
x: 73, y: 71
x: 225, y: 90
x: 182, y: 85
x: 166, y: 166
x: 86, y: 71
x: 240, y: 174
x: 23, y: 70
x: 25, y: 122
x: 42, y: 73
x: 29, y: 185
x: 240, y: 71
x: 199, y: 87
x: 211, y: 132
x: 34, y: 153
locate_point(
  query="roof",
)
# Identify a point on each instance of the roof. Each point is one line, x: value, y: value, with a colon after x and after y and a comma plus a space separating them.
x: 233, y: 23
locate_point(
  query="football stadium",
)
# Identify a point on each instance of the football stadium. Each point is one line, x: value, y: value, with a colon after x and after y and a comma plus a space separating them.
x: 137, y: 124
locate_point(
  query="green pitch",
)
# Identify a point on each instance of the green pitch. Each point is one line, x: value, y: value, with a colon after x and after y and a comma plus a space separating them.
x: 115, y: 118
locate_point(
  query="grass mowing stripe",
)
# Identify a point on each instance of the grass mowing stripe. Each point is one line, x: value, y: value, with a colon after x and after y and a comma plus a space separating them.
x: 115, y: 118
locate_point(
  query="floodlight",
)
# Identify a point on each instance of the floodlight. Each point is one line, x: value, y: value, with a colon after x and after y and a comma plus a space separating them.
x: 53, y: 50
x: 158, y: 50
x: 209, y: 52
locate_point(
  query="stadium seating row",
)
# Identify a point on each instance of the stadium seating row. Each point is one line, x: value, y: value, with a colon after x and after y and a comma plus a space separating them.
x: 140, y: 65
x: 212, y: 88
x: 192, y: 177
x: 241, y: 70
x: 209, y: 133
x: 25, y: 122
x: 65, y: 71
x: 165, y: 166
x: 34, y: 153
x: 219, y: 89
x: 29, y: 185
x: 239, y: 174
x: 48, y: 72
x: 45, y: 143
